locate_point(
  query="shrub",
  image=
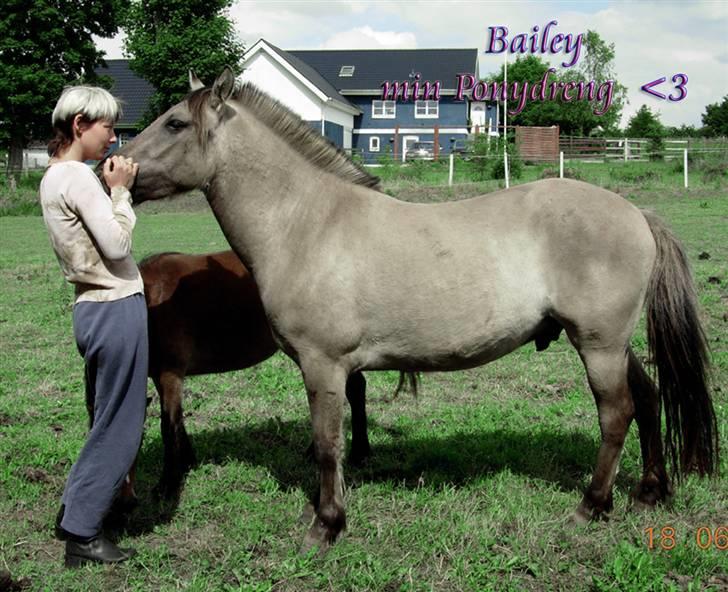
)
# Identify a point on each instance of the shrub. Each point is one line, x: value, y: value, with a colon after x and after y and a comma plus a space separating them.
x: 515, y: 166
x: 569, y: 173
x: 713, y: 170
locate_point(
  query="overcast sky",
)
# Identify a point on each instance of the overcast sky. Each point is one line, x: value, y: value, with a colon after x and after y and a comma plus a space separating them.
x: 652, y: 39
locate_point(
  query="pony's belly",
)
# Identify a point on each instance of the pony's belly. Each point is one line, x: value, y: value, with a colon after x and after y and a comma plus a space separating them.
x: 430, y: 353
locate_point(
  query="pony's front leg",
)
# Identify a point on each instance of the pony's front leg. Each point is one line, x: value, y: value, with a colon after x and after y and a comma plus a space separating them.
x: 325, y: 386
x: 178, y: 453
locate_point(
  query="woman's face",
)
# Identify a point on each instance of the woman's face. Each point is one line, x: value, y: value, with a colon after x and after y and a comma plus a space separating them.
x: 96, y: 138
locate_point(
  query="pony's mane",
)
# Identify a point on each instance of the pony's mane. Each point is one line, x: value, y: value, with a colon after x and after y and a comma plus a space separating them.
x: 300, y: 136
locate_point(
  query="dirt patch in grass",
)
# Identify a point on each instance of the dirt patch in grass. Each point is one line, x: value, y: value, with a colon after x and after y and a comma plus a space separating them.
x: 35, y: 475
x: 8, y: 584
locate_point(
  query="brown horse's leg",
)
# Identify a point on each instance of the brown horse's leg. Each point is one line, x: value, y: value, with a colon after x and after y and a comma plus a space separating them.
x: 607, y: 373
x: 356, y: 387
x: 178, y: 453
x: 325, y: 386
x: 655, y: 484
x: 90, y: 399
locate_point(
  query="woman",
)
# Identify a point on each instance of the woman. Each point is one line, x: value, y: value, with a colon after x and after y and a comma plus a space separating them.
x: 91, y: 232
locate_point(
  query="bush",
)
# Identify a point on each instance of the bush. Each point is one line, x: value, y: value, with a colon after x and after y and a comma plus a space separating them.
x: 22, y: 200
x: 515, y: 166
x: 569, y: 173
x: 713, y: 171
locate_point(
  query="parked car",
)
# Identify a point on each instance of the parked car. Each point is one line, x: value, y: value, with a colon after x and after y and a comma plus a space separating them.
x: 421, y: 151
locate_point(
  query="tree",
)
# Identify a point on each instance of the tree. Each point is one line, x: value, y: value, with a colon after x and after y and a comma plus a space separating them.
x: 575, y: 117
x: 645, y: 124
x: 44, y: 46
x: 597, y: 64
x: 167, y: 38
x: 715, y: 118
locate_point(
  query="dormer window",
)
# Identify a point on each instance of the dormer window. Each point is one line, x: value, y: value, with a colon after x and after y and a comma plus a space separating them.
x: 346, y: 72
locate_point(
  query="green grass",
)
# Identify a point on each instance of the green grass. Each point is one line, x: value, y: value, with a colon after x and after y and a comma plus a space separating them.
x: 470, y: 487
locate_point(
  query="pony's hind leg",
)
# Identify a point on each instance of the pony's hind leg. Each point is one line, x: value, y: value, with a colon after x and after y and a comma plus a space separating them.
x: 179, y: 455
x: 607, y: 373
x: 655, y: 485
x: 326, y: 386
x: 356, y: 387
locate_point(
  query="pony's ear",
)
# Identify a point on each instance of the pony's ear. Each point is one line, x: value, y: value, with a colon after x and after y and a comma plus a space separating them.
x: 195, y: 83
x: 223, y: 88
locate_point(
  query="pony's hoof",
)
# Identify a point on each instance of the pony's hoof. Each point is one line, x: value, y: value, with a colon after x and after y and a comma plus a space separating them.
x: 166, y: 489
x: 318, y: 539
x: 588, y: 512
x: 649, y: 494
x: 359, y: 456
x: 308, y: 513
x: 580, y: 517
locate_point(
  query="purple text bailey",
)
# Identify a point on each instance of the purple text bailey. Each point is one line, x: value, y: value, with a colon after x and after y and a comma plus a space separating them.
x: 536, y: 42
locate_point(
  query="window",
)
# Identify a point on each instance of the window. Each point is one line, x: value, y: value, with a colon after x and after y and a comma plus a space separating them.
x: 374, y: 144
x: 427, y: 109
x: 346, y: 72
x: 383, y: 109
x: 123, y: 138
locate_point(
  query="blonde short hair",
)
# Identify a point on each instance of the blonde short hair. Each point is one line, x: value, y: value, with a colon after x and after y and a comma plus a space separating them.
x: 92, y: 102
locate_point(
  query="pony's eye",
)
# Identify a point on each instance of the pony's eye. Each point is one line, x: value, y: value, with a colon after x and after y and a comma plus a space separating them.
x: 176, y: 124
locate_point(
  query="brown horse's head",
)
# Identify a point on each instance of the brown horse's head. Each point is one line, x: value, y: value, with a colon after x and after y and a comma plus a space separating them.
x: 176, y: 152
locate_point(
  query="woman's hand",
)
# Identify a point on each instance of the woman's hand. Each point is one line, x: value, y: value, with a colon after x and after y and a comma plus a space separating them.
x: 120, y: 171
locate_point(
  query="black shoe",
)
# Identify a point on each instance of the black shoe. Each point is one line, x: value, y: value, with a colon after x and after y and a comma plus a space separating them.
x: 97, y: 550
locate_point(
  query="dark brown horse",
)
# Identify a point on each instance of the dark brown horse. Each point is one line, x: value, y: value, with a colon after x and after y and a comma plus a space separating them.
x: 205, y: 316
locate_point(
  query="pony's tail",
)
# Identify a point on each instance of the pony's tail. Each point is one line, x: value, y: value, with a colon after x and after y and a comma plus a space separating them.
x: 679, y: 351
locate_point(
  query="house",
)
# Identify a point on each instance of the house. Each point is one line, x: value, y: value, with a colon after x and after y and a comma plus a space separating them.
x: 340, y: 93
x: 134, y: 93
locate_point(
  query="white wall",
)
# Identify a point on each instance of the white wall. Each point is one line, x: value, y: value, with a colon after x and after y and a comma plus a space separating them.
x: 35, y: 158
x: 345, y: 120
x: 273, y: 79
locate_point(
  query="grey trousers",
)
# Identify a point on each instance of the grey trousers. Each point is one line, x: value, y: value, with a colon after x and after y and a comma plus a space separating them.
x: 112, y: 338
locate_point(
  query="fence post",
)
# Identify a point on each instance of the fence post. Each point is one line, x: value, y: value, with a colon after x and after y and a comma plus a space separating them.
x: 685, y: 166
x: 505, y: 167
x: 561, y: 164
x: 625, y: 149
x: 449, y: 176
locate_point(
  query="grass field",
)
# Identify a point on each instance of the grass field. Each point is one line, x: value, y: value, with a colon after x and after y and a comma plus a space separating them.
x: 470, y: 487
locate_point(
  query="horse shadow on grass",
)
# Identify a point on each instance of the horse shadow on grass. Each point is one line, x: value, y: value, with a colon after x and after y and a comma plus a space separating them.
x: 563, y: 458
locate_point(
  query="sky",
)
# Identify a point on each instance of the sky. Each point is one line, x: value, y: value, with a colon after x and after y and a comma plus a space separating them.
x: 652, y: 39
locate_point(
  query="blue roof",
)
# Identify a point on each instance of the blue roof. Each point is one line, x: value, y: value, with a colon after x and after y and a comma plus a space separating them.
x: 374, y: 66
x: 133, y: 91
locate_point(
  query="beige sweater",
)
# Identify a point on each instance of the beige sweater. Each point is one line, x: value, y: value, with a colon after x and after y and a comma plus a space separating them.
x: 90, y: 232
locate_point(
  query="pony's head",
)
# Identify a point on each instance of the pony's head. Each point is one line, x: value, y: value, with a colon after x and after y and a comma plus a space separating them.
x: 176, y: 152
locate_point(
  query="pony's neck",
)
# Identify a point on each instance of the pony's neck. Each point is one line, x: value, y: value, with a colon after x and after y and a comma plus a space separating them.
x: 267, y: 198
